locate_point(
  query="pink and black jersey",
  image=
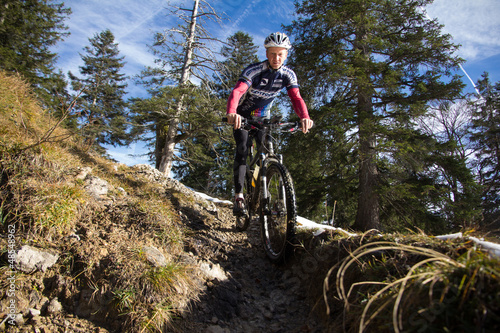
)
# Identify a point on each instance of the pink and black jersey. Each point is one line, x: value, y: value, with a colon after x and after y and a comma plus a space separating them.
x: 257, y: 88
x: 264, y: 84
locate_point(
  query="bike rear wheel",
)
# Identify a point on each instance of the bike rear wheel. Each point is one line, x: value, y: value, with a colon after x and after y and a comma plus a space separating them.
x: 278, y: 214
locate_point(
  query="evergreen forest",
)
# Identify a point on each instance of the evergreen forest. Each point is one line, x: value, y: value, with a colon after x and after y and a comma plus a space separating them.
x: 396, y: 145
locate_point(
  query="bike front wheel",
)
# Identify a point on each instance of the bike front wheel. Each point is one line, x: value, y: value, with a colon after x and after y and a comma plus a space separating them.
x: 278, y: 213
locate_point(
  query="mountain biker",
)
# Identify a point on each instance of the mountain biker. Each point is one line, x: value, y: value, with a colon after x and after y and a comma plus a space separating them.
x: 259, y: 84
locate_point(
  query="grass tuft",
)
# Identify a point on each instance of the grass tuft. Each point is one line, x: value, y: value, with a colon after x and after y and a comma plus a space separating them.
x: 434, y: 292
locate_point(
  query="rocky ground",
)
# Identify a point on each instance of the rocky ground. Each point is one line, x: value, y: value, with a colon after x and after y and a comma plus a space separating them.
x: 243, y: 290
x: 240, y: 290
x: 235, y: 287
x: 250, y: 294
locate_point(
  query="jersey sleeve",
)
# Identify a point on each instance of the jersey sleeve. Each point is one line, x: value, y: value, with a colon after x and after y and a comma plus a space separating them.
x: 291, y: 78
x: 250, y: 72
x: 234, y: 98
x: 299, y: 106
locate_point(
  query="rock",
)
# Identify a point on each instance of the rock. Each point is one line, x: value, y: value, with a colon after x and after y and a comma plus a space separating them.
x: 34, y: 313
x: 44, y: 303
x: 83, y: 172
x: 173, y: 185
x: 54, y: 306
x: 104, y: 251
x: 74, y: 236
x: 34, y: 298
x: 154, y: 256
x: 19, y: 319
x: 29, y: 259
x: 211, y: 271
x: 96, y: 187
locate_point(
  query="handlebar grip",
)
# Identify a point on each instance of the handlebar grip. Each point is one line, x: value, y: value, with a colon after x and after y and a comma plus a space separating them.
x: 243, y: 120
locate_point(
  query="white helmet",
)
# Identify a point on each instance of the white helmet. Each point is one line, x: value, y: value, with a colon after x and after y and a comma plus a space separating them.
x: 277, y: 39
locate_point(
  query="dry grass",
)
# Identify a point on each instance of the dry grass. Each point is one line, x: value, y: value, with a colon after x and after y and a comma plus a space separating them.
x: 392, y: 287
x: 40, y: 195
x: 148, y: 297
x: 23, y: 123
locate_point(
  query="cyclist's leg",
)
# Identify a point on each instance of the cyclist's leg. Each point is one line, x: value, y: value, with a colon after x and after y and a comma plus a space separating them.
x: 259, y: 136
x: 239, y: 169
x: 240, y: 157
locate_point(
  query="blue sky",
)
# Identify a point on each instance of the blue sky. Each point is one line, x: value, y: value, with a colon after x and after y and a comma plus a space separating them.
x: 475, y: 24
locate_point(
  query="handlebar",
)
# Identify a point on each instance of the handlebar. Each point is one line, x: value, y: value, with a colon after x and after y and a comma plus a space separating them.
x: 274, y: 123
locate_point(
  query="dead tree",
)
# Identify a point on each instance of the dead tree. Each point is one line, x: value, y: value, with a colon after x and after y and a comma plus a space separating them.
x: 185, y: 59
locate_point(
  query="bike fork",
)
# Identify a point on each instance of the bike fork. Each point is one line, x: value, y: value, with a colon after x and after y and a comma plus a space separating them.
x: 282, y: 186
x: 263, y: 184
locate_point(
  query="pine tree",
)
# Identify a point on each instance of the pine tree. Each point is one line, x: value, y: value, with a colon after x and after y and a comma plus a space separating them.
x: 211, y: 160
x: 28, y: 29
x: 380, y: 62
x: 197, y: 156
x: 238, y: 52
x: 485, y: 133
x: 101, y: 105
x: 322, y: 164
x: 449, y: 163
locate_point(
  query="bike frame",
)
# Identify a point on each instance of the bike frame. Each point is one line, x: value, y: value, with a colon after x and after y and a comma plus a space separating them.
x: 264, y: 151
x: 276, y: 205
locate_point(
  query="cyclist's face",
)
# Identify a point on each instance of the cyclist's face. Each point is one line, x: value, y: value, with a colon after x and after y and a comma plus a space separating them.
x: 276, y: 56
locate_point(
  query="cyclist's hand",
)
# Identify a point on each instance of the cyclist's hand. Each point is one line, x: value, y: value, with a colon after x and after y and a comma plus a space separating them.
x: 235, y: 119
x: 306, y: 124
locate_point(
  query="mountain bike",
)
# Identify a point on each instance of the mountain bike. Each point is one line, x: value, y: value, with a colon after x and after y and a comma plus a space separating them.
x: 268, y: 189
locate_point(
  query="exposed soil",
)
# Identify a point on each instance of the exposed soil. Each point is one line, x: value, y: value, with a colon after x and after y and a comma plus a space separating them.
x: 239, y: 289
x: 256, y: 295
x: 233, y: 287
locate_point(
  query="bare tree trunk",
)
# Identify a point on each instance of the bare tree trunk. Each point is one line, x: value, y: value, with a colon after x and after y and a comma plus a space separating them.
x: 159, y: 143
x: 167, y: 156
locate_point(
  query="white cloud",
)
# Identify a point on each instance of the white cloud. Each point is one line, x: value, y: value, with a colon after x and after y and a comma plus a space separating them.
x: 135, y: 54
x: 130, y: 155
x: 474, y: 24
x: 131, y: 22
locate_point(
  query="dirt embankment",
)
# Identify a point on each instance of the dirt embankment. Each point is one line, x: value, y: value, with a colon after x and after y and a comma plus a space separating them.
x: 100, y: 274
x: 165, y: 259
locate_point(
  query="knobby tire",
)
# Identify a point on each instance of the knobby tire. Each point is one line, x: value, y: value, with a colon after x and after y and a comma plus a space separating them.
x: 279, y: 219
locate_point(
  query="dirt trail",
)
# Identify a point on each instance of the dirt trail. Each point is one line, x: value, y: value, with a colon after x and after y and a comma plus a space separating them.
x: 241, y: 290
x: 252, y: 294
